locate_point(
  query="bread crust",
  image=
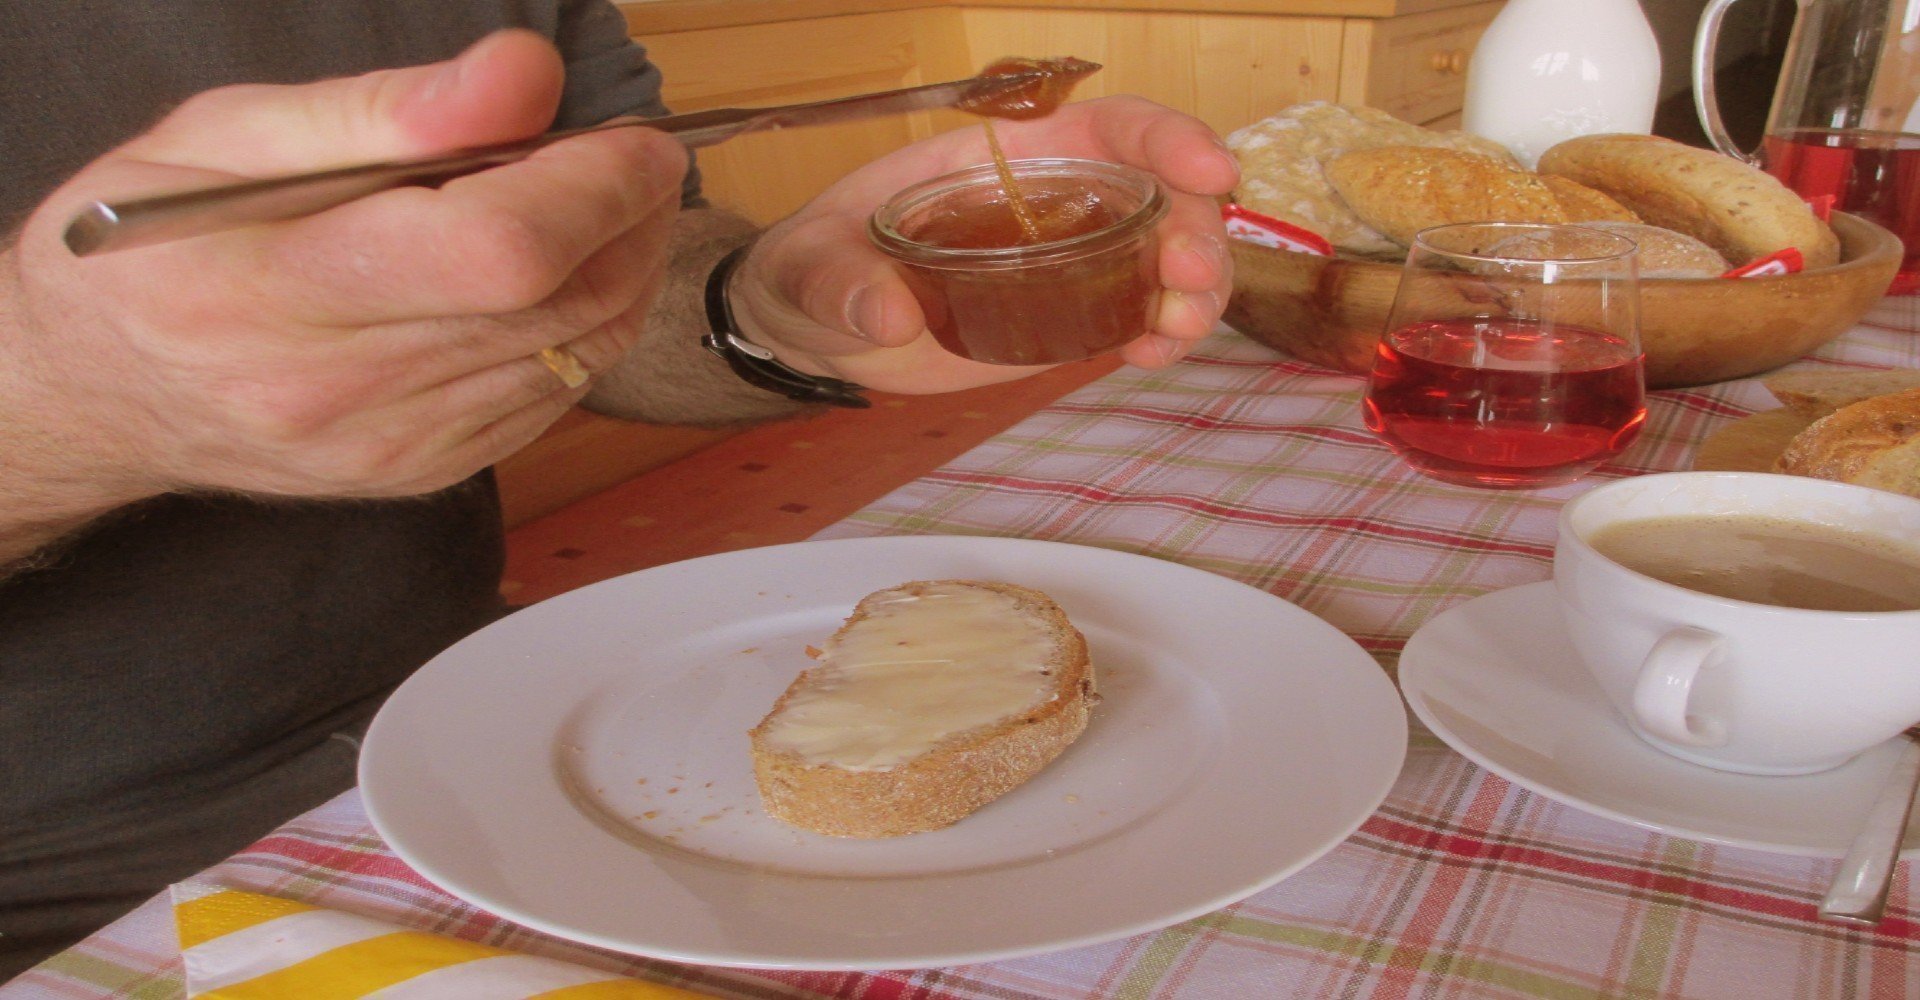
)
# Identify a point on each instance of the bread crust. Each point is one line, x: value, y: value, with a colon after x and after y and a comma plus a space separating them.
x: 1400, y: 190
x: 1664, y: 253
x: 1580, y: 203
x: 1738, y: 210
x: 1283, y: 160
x: 956, y: 777
x: 1814, y: 394
x: 1875, y: 442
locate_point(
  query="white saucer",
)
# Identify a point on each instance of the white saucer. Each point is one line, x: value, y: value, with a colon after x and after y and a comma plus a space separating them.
x: 1498, y: 681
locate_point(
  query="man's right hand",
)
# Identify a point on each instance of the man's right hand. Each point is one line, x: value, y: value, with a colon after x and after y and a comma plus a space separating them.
x: 383, y: 348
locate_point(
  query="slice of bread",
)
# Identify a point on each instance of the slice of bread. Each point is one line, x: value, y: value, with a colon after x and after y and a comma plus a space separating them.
x: 935, y: 698
x: 1875, y: 442
x: 1817, y: 393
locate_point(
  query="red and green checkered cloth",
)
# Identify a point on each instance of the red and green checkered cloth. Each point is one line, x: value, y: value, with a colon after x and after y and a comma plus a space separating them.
x: 1248, y: 464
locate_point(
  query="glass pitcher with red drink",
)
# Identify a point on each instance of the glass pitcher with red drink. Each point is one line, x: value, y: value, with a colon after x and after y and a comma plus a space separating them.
x: 1844, y: 127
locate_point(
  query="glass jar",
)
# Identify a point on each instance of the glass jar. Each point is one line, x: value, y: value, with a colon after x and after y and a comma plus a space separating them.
x: 989, y: 294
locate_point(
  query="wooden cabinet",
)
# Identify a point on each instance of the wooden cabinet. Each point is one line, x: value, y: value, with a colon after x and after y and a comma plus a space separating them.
x: 1227, y: 62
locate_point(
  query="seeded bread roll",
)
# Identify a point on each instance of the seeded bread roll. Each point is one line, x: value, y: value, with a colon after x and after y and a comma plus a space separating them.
x: 1875, y: 442
x: 1400, y: 190
x: 1580, y: 203
x: 1815, y: 394
x: 935, y: 698
x: 1667, y: 254
x: 1283, y: 165
x: 1738, y: 210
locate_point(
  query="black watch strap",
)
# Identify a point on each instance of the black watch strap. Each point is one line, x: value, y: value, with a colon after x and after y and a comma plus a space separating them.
x: 755, y: 364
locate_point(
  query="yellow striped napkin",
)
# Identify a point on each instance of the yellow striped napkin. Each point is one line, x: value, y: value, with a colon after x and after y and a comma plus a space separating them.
x: 245, y: 946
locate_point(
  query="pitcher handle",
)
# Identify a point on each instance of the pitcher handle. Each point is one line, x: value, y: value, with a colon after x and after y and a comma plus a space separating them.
x: 1706, y: 42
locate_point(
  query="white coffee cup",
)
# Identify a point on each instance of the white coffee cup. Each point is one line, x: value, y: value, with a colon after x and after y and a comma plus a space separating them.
x: 1737, y: 685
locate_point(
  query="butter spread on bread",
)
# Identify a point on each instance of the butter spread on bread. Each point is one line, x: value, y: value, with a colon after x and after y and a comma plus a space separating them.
x: 933, y: 699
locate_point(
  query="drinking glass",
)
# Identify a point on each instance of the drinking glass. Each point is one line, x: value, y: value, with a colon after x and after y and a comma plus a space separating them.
x: 1511, y: 358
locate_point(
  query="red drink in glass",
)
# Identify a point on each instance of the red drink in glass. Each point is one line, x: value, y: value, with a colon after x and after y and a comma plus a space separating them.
x: 1871, y: 174
x: 1502, y: 403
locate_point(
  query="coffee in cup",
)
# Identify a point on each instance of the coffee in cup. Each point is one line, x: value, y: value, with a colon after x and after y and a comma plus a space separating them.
x: 1750, y: 622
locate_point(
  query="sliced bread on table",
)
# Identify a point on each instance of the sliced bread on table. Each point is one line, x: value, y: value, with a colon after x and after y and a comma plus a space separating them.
x: 1814, y: 394
x: 935, y: 698
x: 1875, y: 442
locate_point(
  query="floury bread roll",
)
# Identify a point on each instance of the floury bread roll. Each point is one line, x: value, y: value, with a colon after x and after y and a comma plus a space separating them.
x: 935, y: 698
x: 1400, y: 190
x: 1283, y: 166
x: 1738, y: 210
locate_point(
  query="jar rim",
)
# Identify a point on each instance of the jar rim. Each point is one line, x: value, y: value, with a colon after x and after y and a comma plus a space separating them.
x: 881, y: 226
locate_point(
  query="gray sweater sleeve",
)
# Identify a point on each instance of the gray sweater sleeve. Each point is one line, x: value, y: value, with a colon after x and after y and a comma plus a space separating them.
x: 609, y: 74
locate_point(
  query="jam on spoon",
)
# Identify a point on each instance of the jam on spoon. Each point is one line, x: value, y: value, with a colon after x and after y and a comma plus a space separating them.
x: 1055, y: 80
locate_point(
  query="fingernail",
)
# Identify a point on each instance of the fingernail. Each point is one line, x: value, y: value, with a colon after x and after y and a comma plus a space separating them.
x: 856, y: 308
x: 1226, y: 151
x: 1210, y: 249
x: 446, y: 80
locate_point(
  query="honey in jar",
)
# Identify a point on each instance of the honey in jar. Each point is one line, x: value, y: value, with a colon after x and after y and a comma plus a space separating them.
x: 1088, y: 285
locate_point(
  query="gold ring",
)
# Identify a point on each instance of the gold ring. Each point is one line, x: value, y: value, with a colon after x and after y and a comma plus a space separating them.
x: 563, y: 364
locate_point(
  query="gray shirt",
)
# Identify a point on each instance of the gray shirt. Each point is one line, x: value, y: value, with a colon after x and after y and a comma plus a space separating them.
x: 168, y: 684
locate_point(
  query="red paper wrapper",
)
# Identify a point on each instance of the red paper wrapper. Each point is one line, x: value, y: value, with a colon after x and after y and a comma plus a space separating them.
x: 1247, y: 224
x: 1787, y: 261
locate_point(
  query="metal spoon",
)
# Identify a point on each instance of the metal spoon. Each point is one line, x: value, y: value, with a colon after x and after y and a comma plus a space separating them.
x: 1858, y: 892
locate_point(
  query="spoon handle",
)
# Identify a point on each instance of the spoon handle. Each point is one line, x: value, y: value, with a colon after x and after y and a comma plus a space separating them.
x: 106, y: 226
x: 1858, y: 892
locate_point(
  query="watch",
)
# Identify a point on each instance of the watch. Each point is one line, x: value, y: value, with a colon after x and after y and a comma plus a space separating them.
x: 755, y: 364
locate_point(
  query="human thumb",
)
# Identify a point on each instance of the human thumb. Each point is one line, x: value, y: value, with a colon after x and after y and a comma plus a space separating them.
x: 504, y: 87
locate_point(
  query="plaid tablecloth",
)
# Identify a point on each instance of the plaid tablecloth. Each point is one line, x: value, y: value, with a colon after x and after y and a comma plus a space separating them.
x: 1248, y: 464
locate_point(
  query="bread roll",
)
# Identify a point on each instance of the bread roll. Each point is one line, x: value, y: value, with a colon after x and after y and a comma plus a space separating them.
x: 1282, y: 165
x: 1400, y: 190
x: 1580, y: 203
x: 1734, y: 208
x: 935, y: 698
x: 1815, y: 394
x: 1665, y: 253
x: 1875, y: 442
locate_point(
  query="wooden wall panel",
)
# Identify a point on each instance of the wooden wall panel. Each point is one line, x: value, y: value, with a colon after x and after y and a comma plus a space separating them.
x: 1227, y: 70
x: 767, y: 176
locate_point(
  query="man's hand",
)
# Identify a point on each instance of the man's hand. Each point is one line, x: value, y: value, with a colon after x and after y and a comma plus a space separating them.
x: 385, y: 347
x: 816, y: 291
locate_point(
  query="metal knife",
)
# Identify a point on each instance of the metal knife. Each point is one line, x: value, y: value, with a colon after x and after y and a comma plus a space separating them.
x: 103, y: 226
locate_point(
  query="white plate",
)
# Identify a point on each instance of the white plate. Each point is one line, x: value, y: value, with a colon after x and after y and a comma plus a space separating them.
x: 1497, y: 680
x: 582, y: 767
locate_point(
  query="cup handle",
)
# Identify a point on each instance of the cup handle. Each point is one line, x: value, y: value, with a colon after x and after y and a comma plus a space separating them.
x: 1665, y: 686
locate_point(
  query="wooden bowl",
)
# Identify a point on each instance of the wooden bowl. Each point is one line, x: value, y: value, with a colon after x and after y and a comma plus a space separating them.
x: 1331, y: 310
